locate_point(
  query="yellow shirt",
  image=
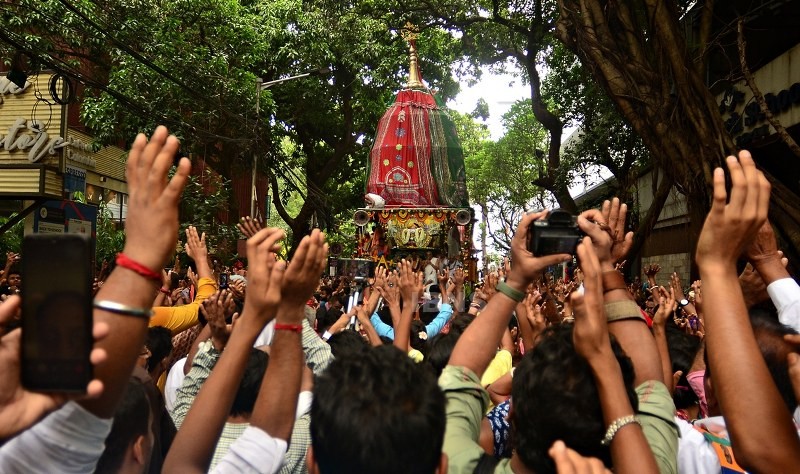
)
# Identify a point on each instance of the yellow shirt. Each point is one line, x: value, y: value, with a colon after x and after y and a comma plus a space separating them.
x: 498, y: 367
x: 181, y: 318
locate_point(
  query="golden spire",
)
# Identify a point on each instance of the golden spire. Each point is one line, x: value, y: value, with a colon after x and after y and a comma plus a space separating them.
x: 410, y: 33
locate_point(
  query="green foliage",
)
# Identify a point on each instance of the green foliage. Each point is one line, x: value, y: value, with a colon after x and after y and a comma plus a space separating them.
x: 110, y: 237
x: 500, y: 174
x: 192, y: 65
x: 203, y: 202
x: 11, y: 240
x: 605, y: 138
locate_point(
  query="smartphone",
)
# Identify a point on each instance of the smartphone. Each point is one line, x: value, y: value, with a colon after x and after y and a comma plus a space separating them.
x: 56, y: 312
x: 223, y: 281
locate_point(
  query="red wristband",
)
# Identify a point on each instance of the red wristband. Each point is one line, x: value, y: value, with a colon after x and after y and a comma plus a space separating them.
x: 164, y: 290
x: 289, y: 327
x: 125, y: 262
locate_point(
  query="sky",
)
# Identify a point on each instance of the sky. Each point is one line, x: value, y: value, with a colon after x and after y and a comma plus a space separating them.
x: 500, y: 91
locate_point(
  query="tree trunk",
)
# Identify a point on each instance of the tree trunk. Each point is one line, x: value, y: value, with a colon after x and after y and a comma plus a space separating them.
x: 655, y: 85
x: 484, y: 233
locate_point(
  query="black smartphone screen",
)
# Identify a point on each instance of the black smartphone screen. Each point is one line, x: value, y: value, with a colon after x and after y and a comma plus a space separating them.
x: 56, y: 312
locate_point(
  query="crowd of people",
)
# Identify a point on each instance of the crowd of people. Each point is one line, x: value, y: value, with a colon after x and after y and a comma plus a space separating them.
x: 276, y: 368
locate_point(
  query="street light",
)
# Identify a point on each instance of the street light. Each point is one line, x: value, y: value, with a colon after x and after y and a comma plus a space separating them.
x: 260, y: 86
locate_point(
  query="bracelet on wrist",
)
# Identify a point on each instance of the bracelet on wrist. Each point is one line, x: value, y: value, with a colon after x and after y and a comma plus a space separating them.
x: 615, y: 426
x: 289, y: 327
x: 126, y: 262
x: 164, y: 290
x: 514, y: 294
x: 122, y: 309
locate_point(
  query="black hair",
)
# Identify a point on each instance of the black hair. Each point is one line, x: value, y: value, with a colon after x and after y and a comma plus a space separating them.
x: 346, y: 343
x: 385, y: 315
x: 439, y: 349
x: 328, y: 319
x: 417, y: 342
x: 174, y: 280
x: 131, y: 420
x: 460, y: 323
x: 682, y: 352
x: 769, y: 334
x: 429, y: 310
x: 159, y: 342
x: 247, y: 393
x: 377, y: 412
x: 555, y: 397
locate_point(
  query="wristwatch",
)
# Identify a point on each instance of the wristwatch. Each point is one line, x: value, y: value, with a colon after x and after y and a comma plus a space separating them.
x: 683, y: 303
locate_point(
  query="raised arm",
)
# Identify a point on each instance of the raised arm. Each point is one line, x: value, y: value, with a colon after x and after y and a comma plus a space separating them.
x: 606, y: 227
x: 410, y: 290
x: 768, y: 261
x: 277, y: 399
x: 666, y: 306
x: 375, y: 295
x: 630, y: 452
x: 372, y: 335
x: 150, y: 237
x: 180, y: 318
x: 753, y: 408
x: 477, y: 346
x: 194, y: 444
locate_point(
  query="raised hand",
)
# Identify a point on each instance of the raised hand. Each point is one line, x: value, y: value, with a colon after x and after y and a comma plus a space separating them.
x: 677, y: 287
x: 237, y: 288
x: 525, y: 266
x: 764, y: 247
x: 21, y: 408
x: 443, y: 276
x: 152, y: 222
x: 303, y: 272
x: 217, y: 309
x: 489, y: 287
x: 249, y: 226
x: 534, y: 312
x: 667, y: 304
x: 12, y: 258
x: 380, y: 277
x: 265, y: 278
x: 591, y: 329
x: 606, y: 227
x: 458, y: 277
x: 652, y: 270
x: 192, y: 276
x: 410, y: 283
x: 196, y: 247
x: 753, y: 287
x: 731, y: 226
x: 391, y: 290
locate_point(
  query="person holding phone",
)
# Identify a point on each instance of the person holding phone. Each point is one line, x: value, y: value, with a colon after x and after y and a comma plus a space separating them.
x: 71, y: 439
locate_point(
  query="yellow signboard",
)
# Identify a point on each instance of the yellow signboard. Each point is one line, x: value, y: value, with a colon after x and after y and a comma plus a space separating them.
x: 31, y: 139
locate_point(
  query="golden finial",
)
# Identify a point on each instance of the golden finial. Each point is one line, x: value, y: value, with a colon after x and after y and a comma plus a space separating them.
x: 410, y: 33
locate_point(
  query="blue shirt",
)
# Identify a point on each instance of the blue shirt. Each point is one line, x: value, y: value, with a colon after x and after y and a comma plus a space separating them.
x: 432, y: 329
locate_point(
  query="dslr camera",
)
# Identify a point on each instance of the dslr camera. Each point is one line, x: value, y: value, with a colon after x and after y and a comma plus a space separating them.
x: 558, y: 233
